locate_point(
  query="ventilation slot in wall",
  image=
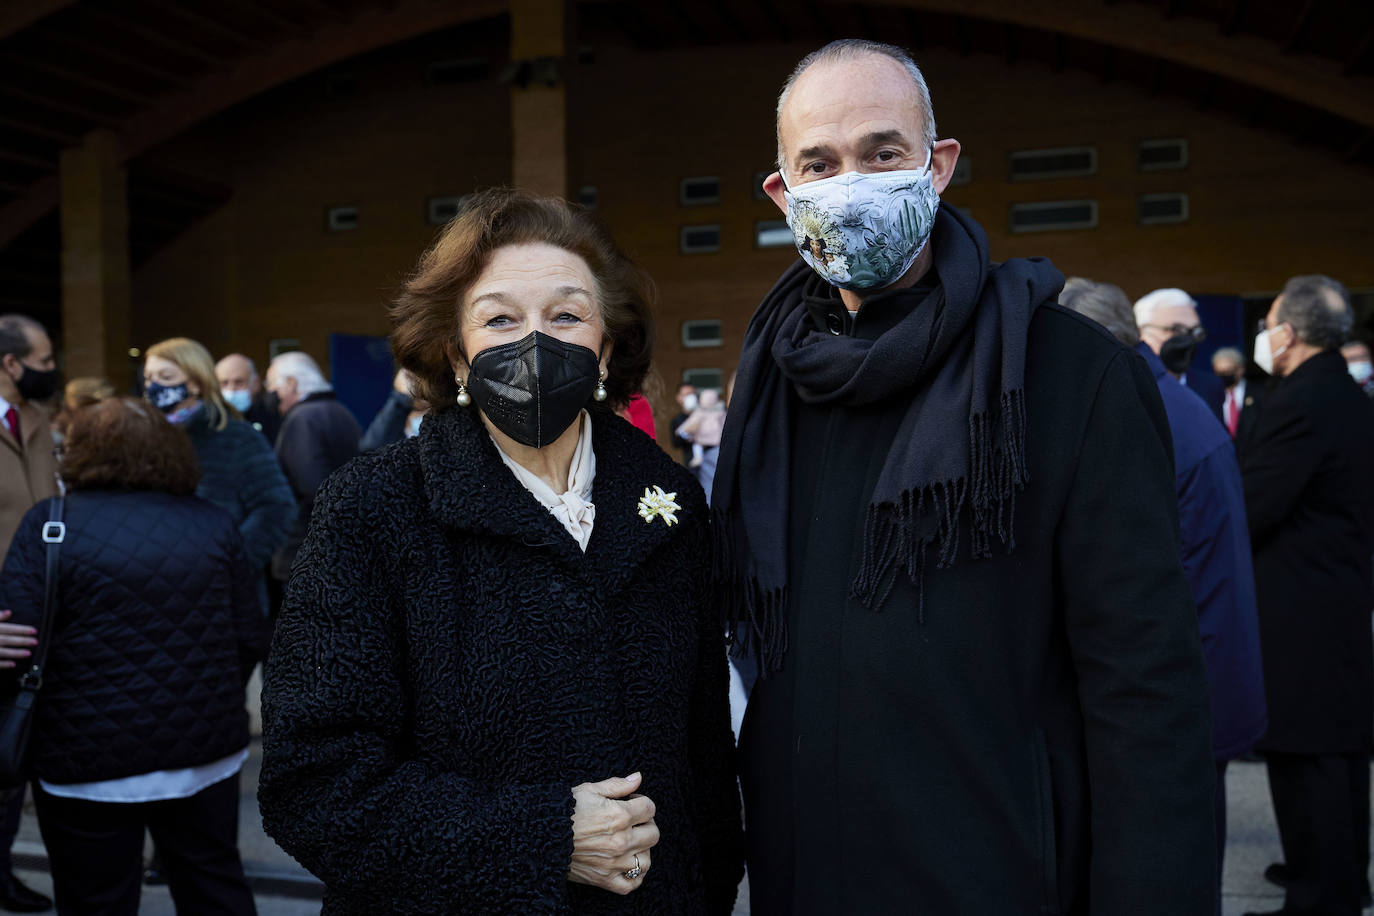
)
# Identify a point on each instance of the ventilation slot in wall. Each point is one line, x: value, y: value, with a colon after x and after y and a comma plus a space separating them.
x: 703, y: 332
x: 439, y: 210
x: 699, y: 239
x: 773, y: 233
x: 1051, y: 215
x: 704, y: 378
x: 457, y: 70
x: 1064, y: 162
x: 963, y: 172
x: 701, y: 190
x: 1160, y: 209
x: 1161, y: 155
x: 341, y: 219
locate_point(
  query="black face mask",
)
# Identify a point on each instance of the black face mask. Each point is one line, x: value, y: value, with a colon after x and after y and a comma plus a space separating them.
x: 36, y: 384
x: 1229, y: 379
x: 1176, y: 353
x: 533, y: 389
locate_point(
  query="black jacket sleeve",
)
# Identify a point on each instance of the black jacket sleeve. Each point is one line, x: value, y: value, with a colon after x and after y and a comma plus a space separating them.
x: 1133, y: 634
x: 343, y: 787
x: 712, y: 756
x: 269, y: 505
x: 1280, y: 460
x: 389, y: 425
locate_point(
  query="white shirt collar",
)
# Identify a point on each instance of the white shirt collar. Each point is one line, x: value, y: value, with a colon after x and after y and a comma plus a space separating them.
x: 573, y: 509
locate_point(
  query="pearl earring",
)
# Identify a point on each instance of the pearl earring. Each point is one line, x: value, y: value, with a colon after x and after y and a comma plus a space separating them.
x: 600, y: 393
x: 463, y: 399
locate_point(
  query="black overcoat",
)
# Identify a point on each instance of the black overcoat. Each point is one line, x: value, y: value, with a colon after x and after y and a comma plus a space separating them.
x: 1309, y: 495
x: 1031, y: 734
x: 448, y: 664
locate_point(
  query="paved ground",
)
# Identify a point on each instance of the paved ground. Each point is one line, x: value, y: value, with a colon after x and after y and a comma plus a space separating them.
x: 1251, y: 844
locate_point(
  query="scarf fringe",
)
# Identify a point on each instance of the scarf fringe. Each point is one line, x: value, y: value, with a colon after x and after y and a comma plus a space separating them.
x: 755, y: 618
x: 902, y: 531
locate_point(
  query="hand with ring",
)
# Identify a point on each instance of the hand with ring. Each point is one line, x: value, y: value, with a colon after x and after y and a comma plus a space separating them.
x: 613, y: 830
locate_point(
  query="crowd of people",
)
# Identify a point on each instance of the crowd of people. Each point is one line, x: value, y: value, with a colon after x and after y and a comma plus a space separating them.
x: 1010, y: 579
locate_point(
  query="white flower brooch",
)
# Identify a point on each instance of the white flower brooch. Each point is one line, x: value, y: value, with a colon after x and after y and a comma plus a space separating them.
x: 655, y: 503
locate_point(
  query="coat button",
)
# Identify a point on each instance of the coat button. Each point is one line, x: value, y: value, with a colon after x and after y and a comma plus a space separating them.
x: 835, y: 323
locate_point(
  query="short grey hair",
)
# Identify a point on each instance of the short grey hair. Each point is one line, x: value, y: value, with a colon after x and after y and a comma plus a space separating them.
x: 1231, y: 353
x: 852, y: 49
x: 1146, y: 304
x: 17, y: 333
x: 1318, y: 308
x: 306, y: 372
x: 1105, y: 303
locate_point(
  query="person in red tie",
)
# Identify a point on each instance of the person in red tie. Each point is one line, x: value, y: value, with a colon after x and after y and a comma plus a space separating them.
x: 1241, y: 402
x: 28, y: 475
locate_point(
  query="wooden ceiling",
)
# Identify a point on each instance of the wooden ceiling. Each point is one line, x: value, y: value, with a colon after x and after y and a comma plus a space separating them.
x: 149, y: 69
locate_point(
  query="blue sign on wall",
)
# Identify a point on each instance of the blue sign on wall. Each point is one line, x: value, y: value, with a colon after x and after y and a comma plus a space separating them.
x: 362, y: 372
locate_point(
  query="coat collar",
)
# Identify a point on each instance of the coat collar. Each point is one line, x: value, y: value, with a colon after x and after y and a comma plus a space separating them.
x: 468, y: 488
x: 34, y: 426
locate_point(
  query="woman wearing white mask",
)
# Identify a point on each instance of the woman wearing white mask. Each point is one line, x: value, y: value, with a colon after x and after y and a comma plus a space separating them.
x: 239, y: 472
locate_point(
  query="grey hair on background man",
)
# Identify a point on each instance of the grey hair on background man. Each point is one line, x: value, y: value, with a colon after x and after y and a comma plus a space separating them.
x: 306, y: 372
x: 1231, y: 353
x: 1105, y: 303
x: 852, y: 49
x: 1318, y: 308
x: 16, y: 333
x: 1146, y: 304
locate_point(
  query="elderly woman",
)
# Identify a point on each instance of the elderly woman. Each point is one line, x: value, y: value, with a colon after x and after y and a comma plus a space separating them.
x: 498, y: 684
x: 140, y: 724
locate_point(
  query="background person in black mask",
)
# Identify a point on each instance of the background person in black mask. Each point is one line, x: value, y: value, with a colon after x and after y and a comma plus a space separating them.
x: 28, y: 475
x: 1169, y: 325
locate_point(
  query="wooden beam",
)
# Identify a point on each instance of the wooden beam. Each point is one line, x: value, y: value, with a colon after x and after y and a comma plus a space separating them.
x: 71, y: 108
x: 1353, y: 151
x: 1187, y: 41
x: 208, y: 24
x: 1108, y: 64
x: 1231, y: 24
x: 101, y: 50
x: 1157, y: 80
x: 83, y: 80
x: 283, y: 23
x: 33, y: 162
x: 1359, y: 54
x: 200, y: 55
x: 20, y: 14
x: 1299, y: 28
x: 371, y: 28
x: 1011, y: 37
x: 39, y: 130
x: 1057, y: 63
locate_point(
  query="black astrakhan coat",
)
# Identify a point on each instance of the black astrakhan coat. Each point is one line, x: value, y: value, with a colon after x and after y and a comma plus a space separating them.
x: 1030, y: 735
x: 1309, y: 495
x: 448, y: 664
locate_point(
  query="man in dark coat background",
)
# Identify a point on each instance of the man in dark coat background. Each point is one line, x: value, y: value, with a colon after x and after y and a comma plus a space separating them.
x: 1241, y: 402
x: 1215, y: 542
x: 318, y: 434
x: 946, y: 528
x: 1310, y: 499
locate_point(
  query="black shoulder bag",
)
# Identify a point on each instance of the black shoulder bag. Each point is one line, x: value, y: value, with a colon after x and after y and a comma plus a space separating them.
x: 16, y: 721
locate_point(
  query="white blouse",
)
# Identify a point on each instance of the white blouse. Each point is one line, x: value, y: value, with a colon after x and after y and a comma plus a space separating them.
x: 573, y: 509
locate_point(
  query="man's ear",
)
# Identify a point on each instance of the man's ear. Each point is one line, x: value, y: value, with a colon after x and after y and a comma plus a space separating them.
x: 12, y: 366
x: 773, y: 187
x: 942, y: 160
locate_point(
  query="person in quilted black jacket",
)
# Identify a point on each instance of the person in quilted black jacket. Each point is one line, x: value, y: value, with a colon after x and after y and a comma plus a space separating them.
x: 238, y: 469
x: 499, y: 683
x: 140, y: 724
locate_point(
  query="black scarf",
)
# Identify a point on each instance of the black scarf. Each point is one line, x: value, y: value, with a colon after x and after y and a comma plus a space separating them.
x: 958, y: 354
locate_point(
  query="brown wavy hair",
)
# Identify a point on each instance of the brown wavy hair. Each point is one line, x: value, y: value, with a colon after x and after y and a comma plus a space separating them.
x: 125, y: 444
x: 425, y: 316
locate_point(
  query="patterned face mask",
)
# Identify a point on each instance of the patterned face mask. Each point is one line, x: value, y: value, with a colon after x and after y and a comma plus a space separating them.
x: 863, y: 230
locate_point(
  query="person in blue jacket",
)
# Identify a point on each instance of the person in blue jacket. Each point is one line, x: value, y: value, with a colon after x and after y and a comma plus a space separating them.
x: 1215, y: 542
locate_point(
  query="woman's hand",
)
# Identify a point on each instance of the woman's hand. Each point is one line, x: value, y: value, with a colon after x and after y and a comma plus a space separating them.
x: 15, y: 641
x: 613, y: 831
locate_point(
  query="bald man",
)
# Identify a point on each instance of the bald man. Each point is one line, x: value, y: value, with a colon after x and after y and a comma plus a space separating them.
x: 241, y: 386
